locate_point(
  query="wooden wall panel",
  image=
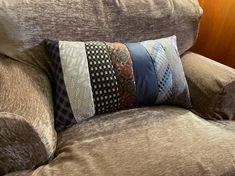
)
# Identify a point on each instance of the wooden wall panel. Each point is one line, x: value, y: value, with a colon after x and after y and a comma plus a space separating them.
x: 216, y: 38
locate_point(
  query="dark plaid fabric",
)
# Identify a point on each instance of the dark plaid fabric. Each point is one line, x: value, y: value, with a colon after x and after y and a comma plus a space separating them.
x: 64, y: 117
x: 103, y: 79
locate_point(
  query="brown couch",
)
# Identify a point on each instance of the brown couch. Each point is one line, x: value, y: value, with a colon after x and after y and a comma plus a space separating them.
x: 161, y: 140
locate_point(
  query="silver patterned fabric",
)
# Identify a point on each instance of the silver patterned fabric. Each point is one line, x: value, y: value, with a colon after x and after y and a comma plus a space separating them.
x: 76, y: 76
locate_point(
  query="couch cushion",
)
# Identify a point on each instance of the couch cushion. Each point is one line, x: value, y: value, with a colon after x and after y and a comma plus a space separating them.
x: 25, y: 23
x: 100, y: 77
x: 148, y: 141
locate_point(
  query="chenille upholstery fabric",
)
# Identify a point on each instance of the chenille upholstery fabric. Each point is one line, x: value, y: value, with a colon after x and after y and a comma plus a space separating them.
x: 25, y: 92
x: 149, y: 141
x: 211, y: 86
x: 25, y: 89
x: 20, y: 144
x: 25, y: 23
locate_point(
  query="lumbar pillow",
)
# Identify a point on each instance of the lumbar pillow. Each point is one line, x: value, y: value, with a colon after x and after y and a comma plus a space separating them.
x: 99, y: 77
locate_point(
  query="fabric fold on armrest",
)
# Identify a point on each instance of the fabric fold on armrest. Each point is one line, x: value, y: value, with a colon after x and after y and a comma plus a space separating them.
x: 20, y: 145
x: 211, y: 85
x: 26, y: 93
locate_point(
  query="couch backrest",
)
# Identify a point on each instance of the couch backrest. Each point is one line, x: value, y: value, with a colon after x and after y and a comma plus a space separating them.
x: 25, y: 23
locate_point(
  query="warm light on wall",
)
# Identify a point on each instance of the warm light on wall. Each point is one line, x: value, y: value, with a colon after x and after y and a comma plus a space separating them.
x: 201, y: 2
x: 216, y: 37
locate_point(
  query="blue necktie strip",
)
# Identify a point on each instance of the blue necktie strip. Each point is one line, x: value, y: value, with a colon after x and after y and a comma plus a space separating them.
x: 145, y: 74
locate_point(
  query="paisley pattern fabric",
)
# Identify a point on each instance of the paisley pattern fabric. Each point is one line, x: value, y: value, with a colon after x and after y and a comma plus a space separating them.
x: 98, y: 77
x: 122, y: 64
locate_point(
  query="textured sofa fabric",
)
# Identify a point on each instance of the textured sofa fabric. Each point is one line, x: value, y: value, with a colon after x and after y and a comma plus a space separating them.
x: 211, y: 85
x: 158, y: 141
x: 25, y: 92
x: 148, y: 141
x: 25, y: 23
x: 20, y: 145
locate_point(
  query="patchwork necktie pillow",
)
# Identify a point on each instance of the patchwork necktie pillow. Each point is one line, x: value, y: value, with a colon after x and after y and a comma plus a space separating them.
x: 100, y: 77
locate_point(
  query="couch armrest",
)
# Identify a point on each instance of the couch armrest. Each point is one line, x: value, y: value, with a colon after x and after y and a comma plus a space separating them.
x: 28, y: 138
x: 20, y: 145
x: 211, y: 85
